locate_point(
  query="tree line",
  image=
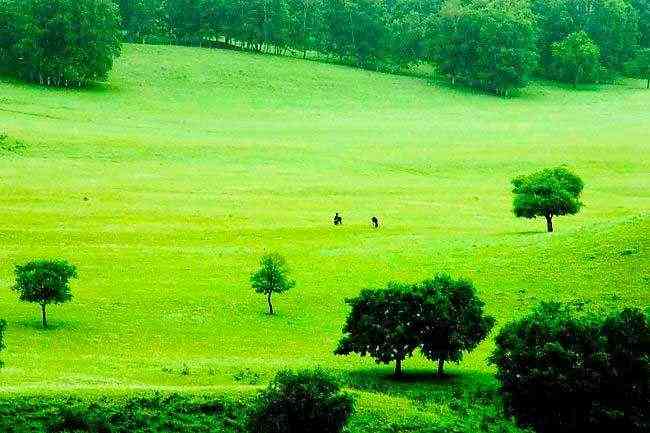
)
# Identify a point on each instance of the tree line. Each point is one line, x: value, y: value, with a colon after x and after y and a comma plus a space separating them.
x: 496, y: 45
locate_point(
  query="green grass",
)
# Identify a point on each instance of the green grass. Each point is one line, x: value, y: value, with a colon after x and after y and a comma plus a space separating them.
x: 196, y: 162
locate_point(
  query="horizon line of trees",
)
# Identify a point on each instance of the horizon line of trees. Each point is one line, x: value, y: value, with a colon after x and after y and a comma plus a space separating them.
x: 495, y: 45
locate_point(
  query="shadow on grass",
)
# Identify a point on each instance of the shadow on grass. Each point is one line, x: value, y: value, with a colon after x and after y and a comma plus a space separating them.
x: 53, y: 325
x: 424, y: 384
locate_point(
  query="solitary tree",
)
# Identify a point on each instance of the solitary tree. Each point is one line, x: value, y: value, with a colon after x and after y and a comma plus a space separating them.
x: 382, y: 324
x: 272, y: 277
x: 639, y: 66
x: 576, y: 59
x: 547, y: 193
x: 45, y: 282
x: 452, y: 320
x: 3, y: 326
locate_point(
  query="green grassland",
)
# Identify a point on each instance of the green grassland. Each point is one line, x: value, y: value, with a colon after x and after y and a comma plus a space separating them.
x: 195, y: 162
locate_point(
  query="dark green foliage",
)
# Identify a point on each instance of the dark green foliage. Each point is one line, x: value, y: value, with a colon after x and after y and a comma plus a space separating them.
x: 452, y: 320
x: 611, y: 25
x: 443, y: 317
x: 547, y: 193
x: 3, y: 346
x: 576, y: 59
x: 59, y: 42
x: 155, y: 413
x: 303, y: 401
x: 487, y: 45
x: 639, y: 66
x: 563, y: 372
x: 643, y: 10
x: 44, y: 282
x: 383, y: 324
x: 272, y: 277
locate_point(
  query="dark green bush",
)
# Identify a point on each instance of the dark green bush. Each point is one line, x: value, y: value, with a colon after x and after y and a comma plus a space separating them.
x: 303, y: 401
x: 562, y: 372
x: 154, y: 413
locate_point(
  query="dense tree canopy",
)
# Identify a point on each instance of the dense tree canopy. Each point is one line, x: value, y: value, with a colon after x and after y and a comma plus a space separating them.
x: 442, y: 317
x: 565, y: 372
x: 576, y: 59
x: 639, y: 66
x: 59, y: 42
x: 492, y: 45
x: 44, y: 282
x: 547, y: 193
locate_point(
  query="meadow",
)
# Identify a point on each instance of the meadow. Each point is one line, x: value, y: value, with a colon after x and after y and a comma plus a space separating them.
x: 166, y: 184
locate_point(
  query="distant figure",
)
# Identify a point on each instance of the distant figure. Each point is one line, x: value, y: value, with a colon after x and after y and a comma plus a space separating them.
x: 375, y: 222
x: 338, y: 219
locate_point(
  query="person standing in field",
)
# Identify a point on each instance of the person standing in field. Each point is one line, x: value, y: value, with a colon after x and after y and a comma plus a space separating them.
x: 338, y: 219
x: 375, y: 222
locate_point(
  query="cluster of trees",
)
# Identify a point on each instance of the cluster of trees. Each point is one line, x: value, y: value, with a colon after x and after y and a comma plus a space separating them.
x: 59, y: 42
x: 492, y: 44
x: 442, y: 317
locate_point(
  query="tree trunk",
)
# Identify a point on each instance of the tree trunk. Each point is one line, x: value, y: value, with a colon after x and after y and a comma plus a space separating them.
x: 441, y: 367
x: 268, y: 299
x: 398, y: 368
x: 44, y: 315
x: 647, y: 84
x: 549, y: 223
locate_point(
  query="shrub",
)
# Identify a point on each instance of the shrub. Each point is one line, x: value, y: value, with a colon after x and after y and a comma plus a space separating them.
x: 303, y: 401
x: 563, y: 372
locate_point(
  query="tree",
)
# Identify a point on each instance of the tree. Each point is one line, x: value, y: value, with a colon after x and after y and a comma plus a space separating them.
x: 639, y: 67
x: 488, y: 45
x: 563, y: 371
x: 302, y: 401
x: 62, y: 42
x: 44, y: 282
x: 3, y: 328
x: 452, y: 320
x: 442, y: 317
x: 576, y: 59
x: 382, y: 324
x: 272, y: 277
x: 643, y: 9
x: 547, y: 193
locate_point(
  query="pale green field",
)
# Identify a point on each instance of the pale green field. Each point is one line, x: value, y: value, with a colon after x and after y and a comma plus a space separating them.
x: 196, y: 162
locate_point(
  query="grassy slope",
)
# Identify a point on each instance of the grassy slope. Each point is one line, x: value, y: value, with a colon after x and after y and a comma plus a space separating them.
x: 195, y: 162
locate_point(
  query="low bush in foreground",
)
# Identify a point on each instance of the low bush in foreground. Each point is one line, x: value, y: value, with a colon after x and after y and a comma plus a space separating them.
x: 303, y: 401
x: 564, y: 372
x: 153, y: 413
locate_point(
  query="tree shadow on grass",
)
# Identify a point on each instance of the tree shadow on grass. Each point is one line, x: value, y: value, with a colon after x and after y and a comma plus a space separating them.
x: 423, y: 384
x: 52, y: 325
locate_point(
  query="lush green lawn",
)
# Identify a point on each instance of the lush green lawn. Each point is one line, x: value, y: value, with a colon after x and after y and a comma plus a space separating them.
x: 196, y: 162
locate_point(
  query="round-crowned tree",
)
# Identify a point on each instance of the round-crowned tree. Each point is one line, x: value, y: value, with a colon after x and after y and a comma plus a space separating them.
x: 302, y: 401
x: 547, y: 193
x: 452, y: 320
x: 443, y: 317
x: 565, y: 372
x: 382, y: 324
x: 44, y: 282
x: 61, y: 42
x: 272, y: 277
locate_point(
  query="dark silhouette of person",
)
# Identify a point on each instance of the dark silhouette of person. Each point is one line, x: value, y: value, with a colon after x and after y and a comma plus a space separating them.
x: 338, y: 219
x: 375, y: 222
